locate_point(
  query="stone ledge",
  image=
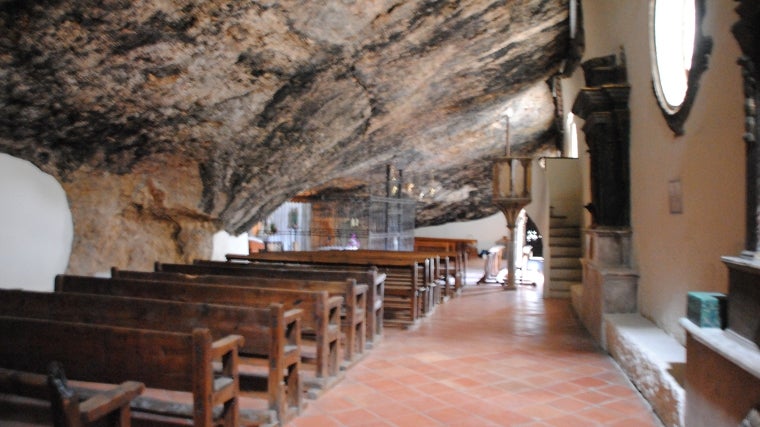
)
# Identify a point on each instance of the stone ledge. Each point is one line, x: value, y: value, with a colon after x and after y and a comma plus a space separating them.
x: 652, y: 360
x: 734, y: 348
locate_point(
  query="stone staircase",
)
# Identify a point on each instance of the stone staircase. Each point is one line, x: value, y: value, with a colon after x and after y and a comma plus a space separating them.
x: 566, y: 251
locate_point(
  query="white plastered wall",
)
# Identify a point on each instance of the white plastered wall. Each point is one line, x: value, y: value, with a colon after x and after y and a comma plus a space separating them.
x: 36, y: 230
x: 225, y: 243
x: 677, y: 253
x: 488, y: 231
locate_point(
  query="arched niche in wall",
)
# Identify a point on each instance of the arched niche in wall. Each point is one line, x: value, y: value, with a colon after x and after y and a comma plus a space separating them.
x: 36, y: 229
x: 679, y: 54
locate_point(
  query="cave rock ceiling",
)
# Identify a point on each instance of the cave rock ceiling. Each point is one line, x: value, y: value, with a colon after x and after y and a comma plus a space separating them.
x: 216, y: 112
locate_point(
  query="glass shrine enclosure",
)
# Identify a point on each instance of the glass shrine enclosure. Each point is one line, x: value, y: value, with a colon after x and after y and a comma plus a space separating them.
x: 345, y: 222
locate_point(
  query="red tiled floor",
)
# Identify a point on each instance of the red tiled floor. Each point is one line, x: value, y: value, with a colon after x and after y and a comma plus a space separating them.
x: 487, y: 358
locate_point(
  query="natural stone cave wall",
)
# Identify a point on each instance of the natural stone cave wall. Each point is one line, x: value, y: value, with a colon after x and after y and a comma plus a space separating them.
x: 133, y: 220
x: 166, y: 121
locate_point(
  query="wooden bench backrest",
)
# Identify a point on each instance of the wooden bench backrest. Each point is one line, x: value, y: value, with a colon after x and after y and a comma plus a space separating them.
x: 354, y: 297
x: 113, y: 354
x: 460, y: 245
x: 103, y: 353
x: 268, y: 332
x: 321, y: 312
x: 280, y: 271
x: 414, y: 255
x: 330, y: 257
x: 370, y: 256
x: 313, y: 303
x: 428, y: 265
x: 440, y: 262
x: 434, y: 246
x: 361, y: 273
x: 215, y: 276
x: 258, y: 326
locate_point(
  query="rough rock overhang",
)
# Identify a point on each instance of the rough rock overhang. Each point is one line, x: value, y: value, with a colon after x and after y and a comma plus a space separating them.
x: 218, y: 111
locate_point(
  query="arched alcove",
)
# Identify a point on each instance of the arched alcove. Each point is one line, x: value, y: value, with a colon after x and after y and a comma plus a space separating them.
x: 36, y: 229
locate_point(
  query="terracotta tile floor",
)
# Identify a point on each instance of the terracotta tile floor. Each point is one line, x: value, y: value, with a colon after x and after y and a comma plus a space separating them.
x: 488, y: 358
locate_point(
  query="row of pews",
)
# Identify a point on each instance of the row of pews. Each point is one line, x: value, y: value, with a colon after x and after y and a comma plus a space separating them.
x: 184, y: 343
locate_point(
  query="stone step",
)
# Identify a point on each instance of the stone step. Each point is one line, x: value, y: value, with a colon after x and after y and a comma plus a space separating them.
x: 559, y: 222
x: 565, y: 274
x: 561, y: 285
x: 561, y: 288
x: 558, y: 294
x: 566, y: 251
x: 565, y: 262
x: 565, y: 241
x: 569, y: 231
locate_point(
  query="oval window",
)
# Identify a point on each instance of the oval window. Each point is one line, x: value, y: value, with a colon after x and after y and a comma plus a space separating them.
x: 675, y: 46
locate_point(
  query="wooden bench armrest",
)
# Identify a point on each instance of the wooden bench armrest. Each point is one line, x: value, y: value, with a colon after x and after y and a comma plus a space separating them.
x: 224, y: 389
x: 225, y: 345
x: 226, y: 349
x: 380, y: 289
x: 362, y: 289
x: 103, y: 403
x: 99, y: 403
x: 380, y: 278
x: 333, y: 308
x: 292, y: 319
x: 362, y: 296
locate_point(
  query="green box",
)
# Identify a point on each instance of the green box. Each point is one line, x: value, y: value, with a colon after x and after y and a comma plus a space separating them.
x: 707, y: 309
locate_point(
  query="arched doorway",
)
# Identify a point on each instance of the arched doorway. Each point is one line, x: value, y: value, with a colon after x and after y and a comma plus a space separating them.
x: 36, y: 229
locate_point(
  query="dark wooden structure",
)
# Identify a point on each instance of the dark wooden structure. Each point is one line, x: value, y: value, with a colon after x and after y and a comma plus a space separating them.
x: 354, y: 295
x: 603, y: 104
x: 370, y: 276
x: 269, y: 353
x: 112, y: 355
x: 110, y: 406
x: 320, y: 320
x: 409, y: 284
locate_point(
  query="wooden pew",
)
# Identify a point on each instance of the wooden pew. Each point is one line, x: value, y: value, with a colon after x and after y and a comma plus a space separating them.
x: 439, y: 274
x: 428, y: 265
x: 406, y: 294
x: 271, y: 335
x: 463, y: 248
x: 374, y: 279
x: 321, y: 313
x: 354, y: 295
x: 111, y: 354
x: 406, y: 297
x: 53, y: 392
x: 362, y: 274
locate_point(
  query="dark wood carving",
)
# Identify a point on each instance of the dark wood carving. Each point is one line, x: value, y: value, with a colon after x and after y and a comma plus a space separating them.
x: 603, y: 104
x: 745, y: 32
